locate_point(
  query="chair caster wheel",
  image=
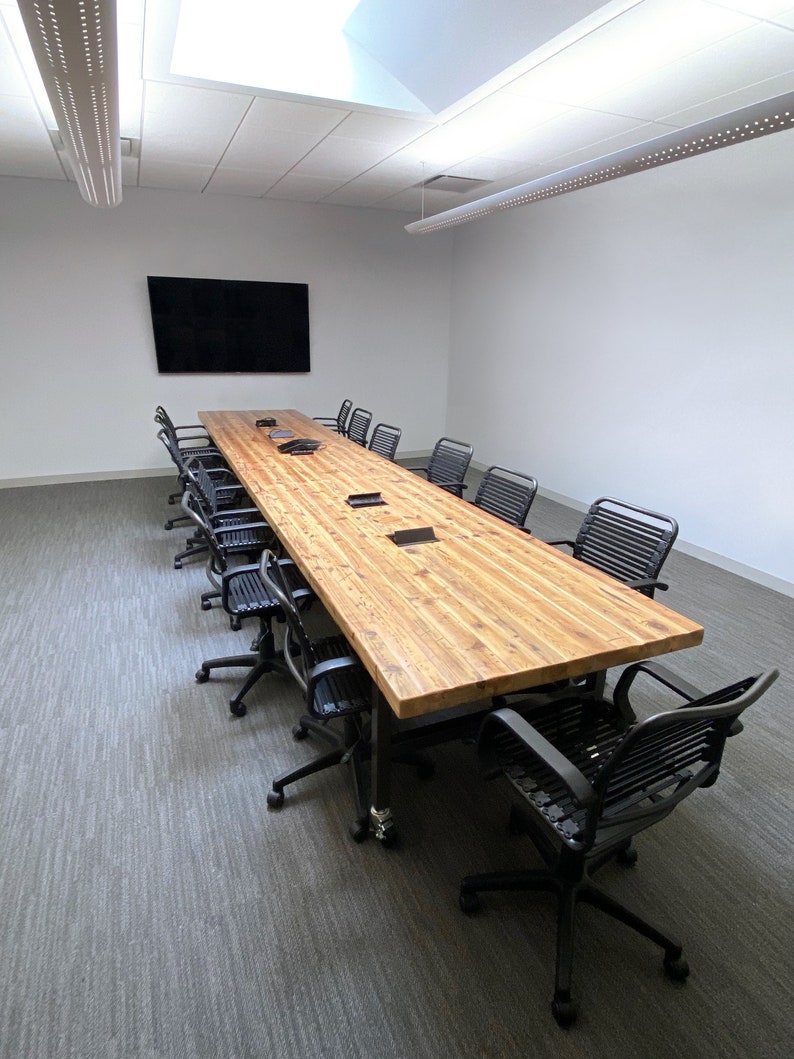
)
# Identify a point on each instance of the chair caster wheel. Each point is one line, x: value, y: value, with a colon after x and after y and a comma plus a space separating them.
x: 177, y: 564
x: 275, y: 799
x: 169, y: 525
x: 469, y: 902
x: 202, y: 676
x: 239, y: 709
x: 564, y: 1012
x: 299, y: 732
x: 677, y: 969
x: 627, y: 856
x: 206, y: 605
x: 359, y: 830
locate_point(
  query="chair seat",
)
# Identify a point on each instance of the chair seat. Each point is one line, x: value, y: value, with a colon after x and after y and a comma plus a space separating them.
x: 339, y: 694
x: 247, y: 595
x: 242, y: 537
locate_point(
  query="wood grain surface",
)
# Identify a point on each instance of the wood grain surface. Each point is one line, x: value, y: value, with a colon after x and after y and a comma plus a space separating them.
x: 485, y: 609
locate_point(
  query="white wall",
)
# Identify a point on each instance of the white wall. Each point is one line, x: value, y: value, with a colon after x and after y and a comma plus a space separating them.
x: 79, y: 380
x: 637, y: 339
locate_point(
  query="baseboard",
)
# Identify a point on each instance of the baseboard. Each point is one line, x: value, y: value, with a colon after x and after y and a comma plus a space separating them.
x: 89, y: 476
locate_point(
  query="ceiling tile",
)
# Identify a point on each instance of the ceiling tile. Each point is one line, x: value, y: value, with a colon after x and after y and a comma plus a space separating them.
x: 300, y: 187
x: 742, y: 59
x: 186, y: 124
x: 175, y: 175
x: 12, y: 78
x: 285, y: 115
x: 339, y: 157
x: 382, y: 128
x: 253, y: 182
x: 25, y: 145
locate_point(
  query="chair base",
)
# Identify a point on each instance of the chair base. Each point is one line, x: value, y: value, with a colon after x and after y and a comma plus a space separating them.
x: 572, y: 887
x: 351, y: 746
x: 265, y: 659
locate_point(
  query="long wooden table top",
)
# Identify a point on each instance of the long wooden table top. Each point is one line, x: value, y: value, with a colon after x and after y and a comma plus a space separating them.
x: 484, y: 610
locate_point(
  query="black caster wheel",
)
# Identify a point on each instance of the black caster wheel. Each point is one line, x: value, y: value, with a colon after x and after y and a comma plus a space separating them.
x: 202, y: 676
x: 239, y: 709
x: 206, y: 605
x: 359, y: 830
x: 275, y: 799
x: 425, y: 770
x: 677, y: 969
x: 627, y: 857
x: 299, y: 732
x: 469, y: 902
x: 177, y: 564
x: 564, y: 1012
x: 388, y: 837
x: 171, y: 500
x: 169, y: 525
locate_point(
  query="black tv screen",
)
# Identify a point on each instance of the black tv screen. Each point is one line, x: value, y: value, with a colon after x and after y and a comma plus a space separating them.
x: 224, y: 325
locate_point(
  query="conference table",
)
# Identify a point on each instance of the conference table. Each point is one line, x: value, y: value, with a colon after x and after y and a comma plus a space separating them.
x: 483, y: 609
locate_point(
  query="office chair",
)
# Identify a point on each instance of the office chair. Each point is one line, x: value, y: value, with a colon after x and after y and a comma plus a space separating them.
x: 229, y: 534
x: 336, y: 687
x: 339, y: 421
x: 627, y: 542
x: 447, y: 465
x: 385, y: 439
x: 588, y: 781
x: 506, y: 494
x: 358, y: 427
x: 244, y: 595
x: 174, y: 433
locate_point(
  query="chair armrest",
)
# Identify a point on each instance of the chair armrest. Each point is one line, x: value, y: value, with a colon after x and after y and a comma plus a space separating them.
x: 659, y: 673
x: 569, y: 775
x: 525, y: 529
x: 234, y: 512
x: 328, y: 421
x: 416, y: 470
x: 647, y: 582
x: 196, y: 437
x: 557, y: 544
x: 458, y: 483
x: 324, y: 668
x: 224, y: 531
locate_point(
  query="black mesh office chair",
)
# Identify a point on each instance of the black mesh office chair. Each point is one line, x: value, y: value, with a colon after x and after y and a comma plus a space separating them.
x: 358, y: 427
x: 335, y: 687
x: 229, y: 534
x: 448, y: 464
x: 244, y: 595
x: 385, y: 439
x: 588, y: 781
x: 507, y: 494
x: 339, y: 421
x: 627, y: 542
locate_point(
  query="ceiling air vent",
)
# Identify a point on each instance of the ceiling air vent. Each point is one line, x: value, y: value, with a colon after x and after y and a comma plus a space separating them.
x: 460, y: 184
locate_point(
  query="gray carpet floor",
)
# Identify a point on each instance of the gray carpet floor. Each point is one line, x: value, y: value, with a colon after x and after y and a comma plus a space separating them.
x: 151, y: 906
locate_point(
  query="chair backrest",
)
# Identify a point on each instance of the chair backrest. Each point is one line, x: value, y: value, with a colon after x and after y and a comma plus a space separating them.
x: 342, y: 414
x: 385, y: 439
x: 358, y: 427
x: 166, y: 423
x: 197, y: 477
x: 625, y: 541
x: 449, y: 461
x: 506, y: 494
x: 662, y: 759
x: 275, y: 580
x: 173, y: 448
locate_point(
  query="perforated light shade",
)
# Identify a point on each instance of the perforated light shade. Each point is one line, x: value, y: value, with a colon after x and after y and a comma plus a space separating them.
x: 76, y: 49
x: 750, y: 123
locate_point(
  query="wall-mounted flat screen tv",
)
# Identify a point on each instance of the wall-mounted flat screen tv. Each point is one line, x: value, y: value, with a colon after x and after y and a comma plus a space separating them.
x: 224, y: 325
